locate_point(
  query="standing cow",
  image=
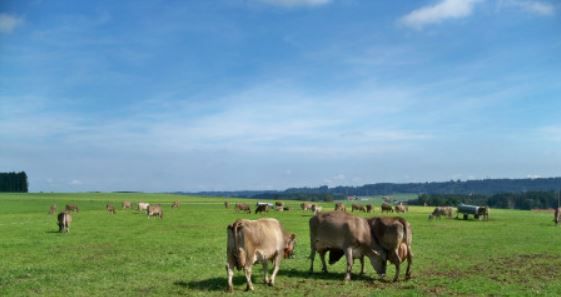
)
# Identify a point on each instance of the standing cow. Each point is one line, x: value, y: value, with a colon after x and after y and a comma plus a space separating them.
x: 63, y: 221
x: 176, y: 204
x: 339, y: 206
x: 358, y: 207
x: 262, y: 208
x: 72, y: 207
x: 143, y: 206
x: 400, y: 208
x: 386, y: 207
x: 110, y: 208
x: 441, y: 211
x: 127, y: 204
x: 395, y: 236
x: 306, y: 206
x: 52, y: 209
x: 242, y: 207
x: 155, y: 210
x: 252, y: 241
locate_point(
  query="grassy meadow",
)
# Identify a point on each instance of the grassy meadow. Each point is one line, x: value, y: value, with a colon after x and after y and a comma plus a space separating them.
x: 515, y: 253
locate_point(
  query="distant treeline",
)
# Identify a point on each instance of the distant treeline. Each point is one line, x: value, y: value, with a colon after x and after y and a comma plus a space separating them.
x: 486, y: 187
x: 526, y: 201
x: 13, y: 182
x: 299, y: 196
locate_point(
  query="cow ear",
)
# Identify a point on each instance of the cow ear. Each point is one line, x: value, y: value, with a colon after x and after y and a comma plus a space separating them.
x: 292, y: 236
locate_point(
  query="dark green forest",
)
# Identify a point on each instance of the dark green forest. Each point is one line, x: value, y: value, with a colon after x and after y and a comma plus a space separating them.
x: 13, y: 182
x: 526, y: 200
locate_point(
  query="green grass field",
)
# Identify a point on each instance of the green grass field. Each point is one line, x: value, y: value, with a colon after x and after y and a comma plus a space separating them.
x: 515, y: 253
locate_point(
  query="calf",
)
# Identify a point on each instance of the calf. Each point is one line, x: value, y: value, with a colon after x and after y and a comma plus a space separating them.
x: 306, y: 206
x: 63, y: 220
x: 110, y: 208
x: 52, y: 209
x: 72, y: 207
x: 127, y: 204
x: 252, y: 241
x: 155, y: 210
x: 242, y: 207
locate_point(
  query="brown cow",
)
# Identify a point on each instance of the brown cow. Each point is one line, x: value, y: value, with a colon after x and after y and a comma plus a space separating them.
x: 52, y: 209
x: 127, y: 204
x: 226, y: 204
x: 557, y: 216
x: 286, y: 208
x: 176, y: 204
x: 400, y: 208
x: 441, y: 211
x: 358, y: 207
x: 306, y: 206
x: 252, y: 241
x: 155, y: 210
x: 369, y: 208
x: 63, y: 220
x: 386, y: 207
x: 72, y: 207
x: 316, y: 208
x: 339, y: 206
x: 110, y: 208
x: 242, y: 207
x: 342, y: 233
x: 262, y: 208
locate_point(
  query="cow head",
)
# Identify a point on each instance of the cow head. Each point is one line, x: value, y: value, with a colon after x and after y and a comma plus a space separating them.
x: 289, y: 244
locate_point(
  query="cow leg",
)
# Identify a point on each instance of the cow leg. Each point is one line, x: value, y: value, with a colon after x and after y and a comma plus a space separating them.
x: 276, y: 266
x: 230, y: 274
x: 266, y: 270
x: 349, y: 254
x: 394, y: 258
x: 322, y: 257
x: 247, y: 271
x: 361, y: 265
x: 312, y: 257
x: 409, y: 263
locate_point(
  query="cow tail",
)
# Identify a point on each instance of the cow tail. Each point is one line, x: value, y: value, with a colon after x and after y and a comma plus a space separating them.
x: 239, y: 254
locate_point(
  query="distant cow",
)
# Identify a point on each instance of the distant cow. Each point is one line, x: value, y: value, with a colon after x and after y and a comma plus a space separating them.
x: 127, y: 204
x: 242, y: 207
x: 316, y: 208
x: 400, y: 208
x: 279, y: 208
x: 441, y: 211
x: 369, y: 208
x: 339, y: 206
x: 279, y: 204
x: 286, y: 208
x: 143, y: 206
x: 386, y: 207
x: 155, y: 211
x: 110, y: 208
x: 176, y: 204
x: 358, y: 207
x: 63, y: 220
x: 483, y: 212
x: 72, y: 207
x: 226, y: 204
x: 306, y: 206
x: 262, y: 208
x: 261, y: 241
x: 342, y: 233
x: 52, y: 209
x: 557, y: 215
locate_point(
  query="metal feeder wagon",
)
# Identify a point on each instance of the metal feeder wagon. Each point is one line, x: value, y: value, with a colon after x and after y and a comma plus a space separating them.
x: 478, y: 212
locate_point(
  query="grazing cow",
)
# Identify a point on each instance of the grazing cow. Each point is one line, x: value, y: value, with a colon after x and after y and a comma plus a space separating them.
x: 441, y: 211
x: 557, y: 216
x: 110, y: 208
x: 400, y: 208
x: 242, y: 207
x: 339, y: 206
x: 72, y: 207
x: 286, y: 208
x: 52, y: 209
x: 342, y: 233
x: 316, y: 209
x: 306, y: 206
x: 483, y: 212
x: 143, y: 206
x: 262, y: 208
x: 386, y: 207
x: 155, y: 210
x: 63, y: 220
x: 394, y: 235
x: 127, y: 204
x: 369, y: 208
x: 176, y: 204
x: 279, y: 204
x: 358, y: 207
x: 252, y: 241
x: 226, y: 204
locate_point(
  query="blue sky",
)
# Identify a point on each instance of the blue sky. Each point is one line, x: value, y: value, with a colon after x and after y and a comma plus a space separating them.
x: 270, y: 94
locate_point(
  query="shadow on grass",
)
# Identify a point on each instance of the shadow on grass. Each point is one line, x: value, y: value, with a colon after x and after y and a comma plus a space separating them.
x: 322, y: 275
x: 211, y: 284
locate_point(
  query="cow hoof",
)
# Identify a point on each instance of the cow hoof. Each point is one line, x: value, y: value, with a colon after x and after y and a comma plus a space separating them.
x: 270, y: 284
x: 230, y: 290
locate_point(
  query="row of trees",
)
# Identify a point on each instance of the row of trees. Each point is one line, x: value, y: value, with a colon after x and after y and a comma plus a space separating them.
x: 13, y: 182
x: 526, y: 201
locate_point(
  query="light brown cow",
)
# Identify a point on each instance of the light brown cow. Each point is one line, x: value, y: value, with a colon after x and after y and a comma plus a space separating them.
x: 176, y: 204
x: 358, y: 207
x: 400, y: 208
x: 143, y: 206
x: 342, y: 233
x: 242, y: 207
x: 52, y: 209
x: 339, y: 206
x: 63, y: 221
x: 557, y: 216
x: 110, y: 208
x: 127, y: 204
x: 386, y: 207
x: 155, y: 210
x: 441, y: 211
x: 261, y: 241
x: 72, y: 207
x: 306, y: 206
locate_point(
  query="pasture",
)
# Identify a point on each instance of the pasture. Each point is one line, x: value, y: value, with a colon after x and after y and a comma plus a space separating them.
x: 515, y: 253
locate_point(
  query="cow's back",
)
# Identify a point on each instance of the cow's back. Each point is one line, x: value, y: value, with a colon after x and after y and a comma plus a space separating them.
x: 338, y: 230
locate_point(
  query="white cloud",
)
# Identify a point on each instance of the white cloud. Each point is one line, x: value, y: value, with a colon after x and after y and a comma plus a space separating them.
x: 294, y: 3
x: 76, y: 182
x: 536, y: 7
x: 9, y: 23
x: 445, y: 9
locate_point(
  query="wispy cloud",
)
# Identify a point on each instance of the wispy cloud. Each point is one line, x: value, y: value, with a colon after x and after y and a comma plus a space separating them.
x: 535, y: 7
x: 8, y: 23
x: 439, y: 12
x: 295, y: 3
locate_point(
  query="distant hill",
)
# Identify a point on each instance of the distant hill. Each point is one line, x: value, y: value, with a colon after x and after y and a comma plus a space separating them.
x: 469, y: 187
